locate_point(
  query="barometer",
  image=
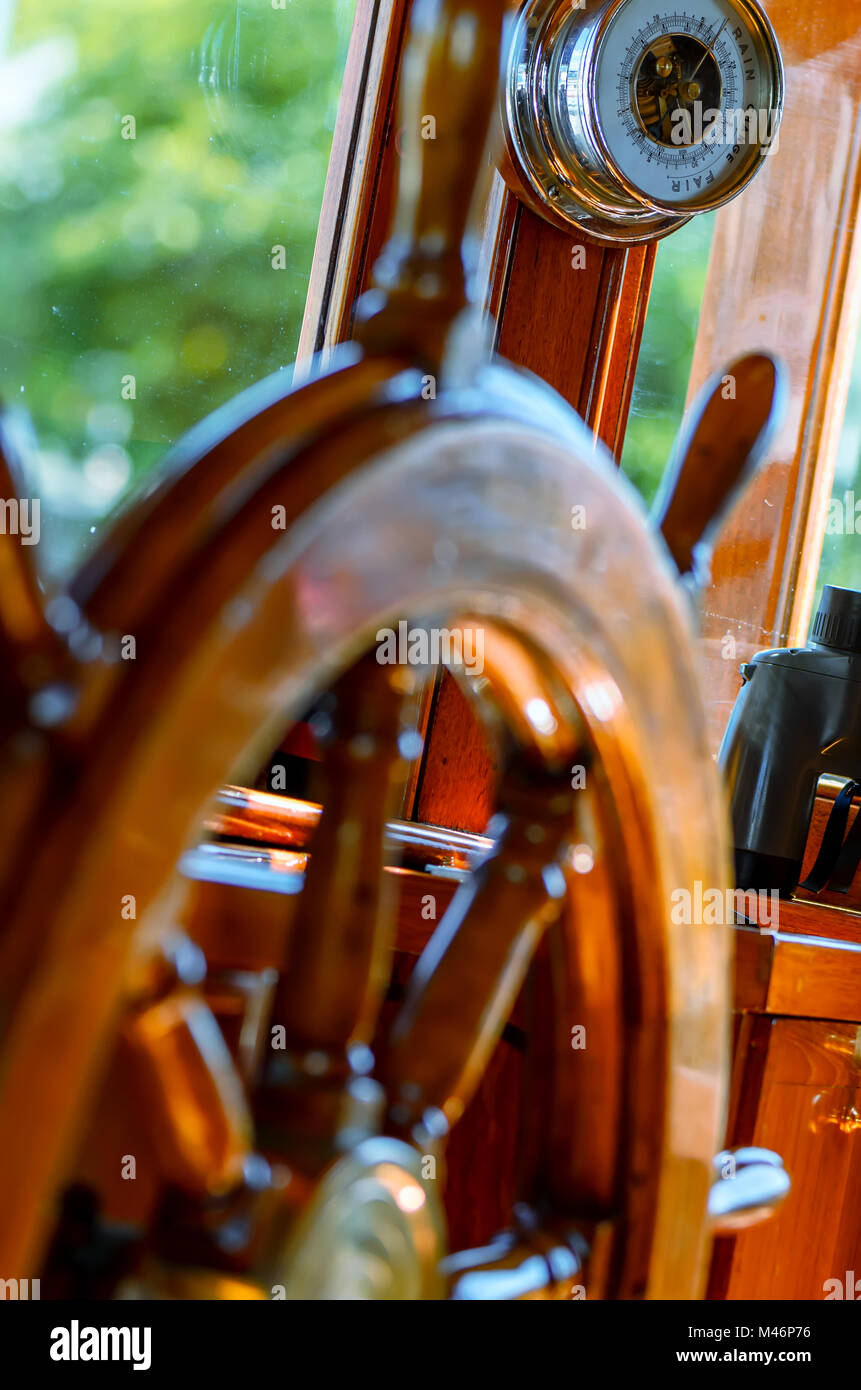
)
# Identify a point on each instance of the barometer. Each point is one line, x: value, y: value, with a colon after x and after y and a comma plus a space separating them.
x: 625, y: 119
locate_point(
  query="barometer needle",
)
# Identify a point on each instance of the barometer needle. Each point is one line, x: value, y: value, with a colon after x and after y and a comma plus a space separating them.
x: 709, y: 49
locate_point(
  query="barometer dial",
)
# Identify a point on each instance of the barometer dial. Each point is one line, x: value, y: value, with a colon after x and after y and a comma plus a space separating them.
x: 627, y: 118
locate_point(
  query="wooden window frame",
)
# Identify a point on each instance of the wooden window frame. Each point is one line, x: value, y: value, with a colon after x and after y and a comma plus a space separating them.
x: 783, y: 276
x: 590, y: 337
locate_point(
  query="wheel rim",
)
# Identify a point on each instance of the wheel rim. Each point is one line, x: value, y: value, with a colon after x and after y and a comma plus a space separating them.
x: 494, y: 496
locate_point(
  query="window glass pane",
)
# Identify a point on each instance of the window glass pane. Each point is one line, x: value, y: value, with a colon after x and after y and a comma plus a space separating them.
x: 841, y: 547
x: 664, y: 367
x: 161, y: 175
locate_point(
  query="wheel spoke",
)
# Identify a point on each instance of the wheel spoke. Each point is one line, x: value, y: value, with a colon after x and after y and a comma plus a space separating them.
x: 328, y: 995
x: 468, y: 976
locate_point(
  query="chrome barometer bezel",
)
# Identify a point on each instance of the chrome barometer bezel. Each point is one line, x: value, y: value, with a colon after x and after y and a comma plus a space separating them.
x: 558, y: 151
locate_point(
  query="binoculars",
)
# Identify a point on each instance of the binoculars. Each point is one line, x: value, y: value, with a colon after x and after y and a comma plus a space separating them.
x: 797, y: 717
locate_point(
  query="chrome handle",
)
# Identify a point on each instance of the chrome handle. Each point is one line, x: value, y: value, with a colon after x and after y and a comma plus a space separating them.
x: 750, y: 1186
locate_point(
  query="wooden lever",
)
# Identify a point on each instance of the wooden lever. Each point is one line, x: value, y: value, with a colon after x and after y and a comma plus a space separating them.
x: 721, y: 444
x: 449, y: 85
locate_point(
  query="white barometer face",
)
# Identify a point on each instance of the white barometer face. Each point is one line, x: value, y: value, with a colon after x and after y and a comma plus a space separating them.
x: 682, y: 98
x: 627, y: 118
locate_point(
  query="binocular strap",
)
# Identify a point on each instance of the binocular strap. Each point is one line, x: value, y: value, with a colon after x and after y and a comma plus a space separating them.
x: 838, y: 859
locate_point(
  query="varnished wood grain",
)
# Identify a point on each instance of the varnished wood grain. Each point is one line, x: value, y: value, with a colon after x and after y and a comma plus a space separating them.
x: 238, y: 626
x: 578, y: 328
x: 442, y: 1040
x: 458, y: 773
x: 815, y: 981
x: 722, y: 443
x: 244, y: 929
x: 751, y: 1038
x: 424, y: 272
x: 482, y: 1160
x: 329, y: 995
x: 783, y: 277
x: 753, y: 953
x: 811, y: 968
x: 811, y: 1080
x: 359, y: 184
x: 807, y: 917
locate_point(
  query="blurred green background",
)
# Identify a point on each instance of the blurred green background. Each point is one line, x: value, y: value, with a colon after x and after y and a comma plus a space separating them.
x: 661, y: 383
x: 841, y: 548
x: 151, y: 257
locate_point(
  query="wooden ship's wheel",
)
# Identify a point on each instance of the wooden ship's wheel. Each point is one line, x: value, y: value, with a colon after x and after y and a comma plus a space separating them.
x: 286, y: 535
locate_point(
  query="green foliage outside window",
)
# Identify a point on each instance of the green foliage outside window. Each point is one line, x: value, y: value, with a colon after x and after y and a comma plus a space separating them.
x: 841, y: 548
x: 157, y: 163
x: 664, y: 367
x: 152, y: 159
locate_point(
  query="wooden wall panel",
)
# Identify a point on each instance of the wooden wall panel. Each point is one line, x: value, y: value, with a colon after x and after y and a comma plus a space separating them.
x: 806, y: 1112
x: 458, y: 775
x: 815, y: 981
x: 821, y: 920
x: 579, y: 329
